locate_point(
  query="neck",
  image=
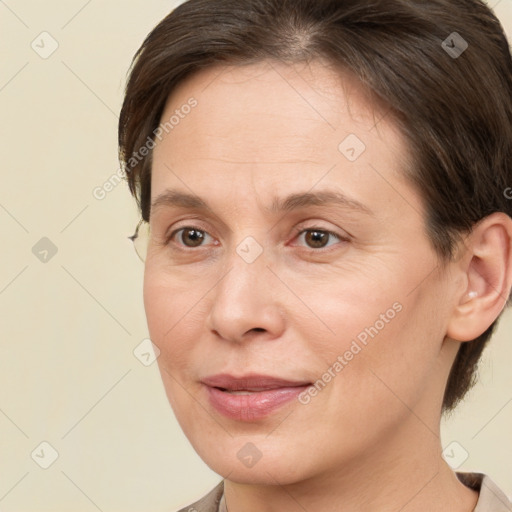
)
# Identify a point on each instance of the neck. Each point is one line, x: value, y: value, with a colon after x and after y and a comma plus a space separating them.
x: 405, y: 473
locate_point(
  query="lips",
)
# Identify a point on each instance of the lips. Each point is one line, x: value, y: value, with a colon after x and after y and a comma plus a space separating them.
x: 251, y: 382
x: 251, y: 397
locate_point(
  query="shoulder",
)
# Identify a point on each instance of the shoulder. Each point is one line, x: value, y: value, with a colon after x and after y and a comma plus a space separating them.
x: 209, y: 502
x: 491, y: 497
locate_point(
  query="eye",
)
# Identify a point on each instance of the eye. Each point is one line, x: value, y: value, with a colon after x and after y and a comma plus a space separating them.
x: 317, y: 238
x: 190, y: 237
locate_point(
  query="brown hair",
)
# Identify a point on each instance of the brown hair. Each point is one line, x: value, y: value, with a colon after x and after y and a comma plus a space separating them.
x: 453, y: 106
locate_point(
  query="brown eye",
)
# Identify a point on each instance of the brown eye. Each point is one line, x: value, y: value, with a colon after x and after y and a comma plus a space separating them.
x: 191, y: 237
x: 316, y: 239
x: 319, y: 238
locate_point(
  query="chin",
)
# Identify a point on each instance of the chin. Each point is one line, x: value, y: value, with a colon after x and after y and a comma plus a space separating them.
x: 247, y: 461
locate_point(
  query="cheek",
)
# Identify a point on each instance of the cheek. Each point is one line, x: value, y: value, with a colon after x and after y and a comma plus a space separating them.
x: 375, y: 326
x: 172, y: 311
x: 172, y: 316
x: 348, y: 305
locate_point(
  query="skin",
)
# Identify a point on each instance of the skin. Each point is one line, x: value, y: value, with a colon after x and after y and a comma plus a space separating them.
x: 370, y: 439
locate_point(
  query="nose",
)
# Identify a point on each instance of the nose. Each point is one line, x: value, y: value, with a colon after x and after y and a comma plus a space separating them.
x: 247, y: 300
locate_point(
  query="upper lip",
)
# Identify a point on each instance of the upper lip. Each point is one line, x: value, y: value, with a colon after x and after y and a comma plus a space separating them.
x: 250, y: 382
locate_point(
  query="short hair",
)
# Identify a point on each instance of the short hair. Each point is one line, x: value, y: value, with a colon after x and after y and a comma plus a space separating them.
x: 442, y: 67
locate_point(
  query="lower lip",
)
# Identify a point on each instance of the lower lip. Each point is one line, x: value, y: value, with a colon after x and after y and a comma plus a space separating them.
x: 255, y: 406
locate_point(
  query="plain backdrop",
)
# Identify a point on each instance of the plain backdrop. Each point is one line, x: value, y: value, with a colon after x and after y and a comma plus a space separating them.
x: 71, y: 305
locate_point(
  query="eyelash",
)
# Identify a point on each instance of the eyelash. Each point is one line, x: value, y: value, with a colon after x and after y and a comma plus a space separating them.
x: 297, y: 233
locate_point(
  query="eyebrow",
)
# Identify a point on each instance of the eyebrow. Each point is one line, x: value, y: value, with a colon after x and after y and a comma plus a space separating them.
x: 178, y: 199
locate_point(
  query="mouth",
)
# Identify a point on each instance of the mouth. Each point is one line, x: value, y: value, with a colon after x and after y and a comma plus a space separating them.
x: 250, y: 383
x: 251, y: 397
x: 243, y: 392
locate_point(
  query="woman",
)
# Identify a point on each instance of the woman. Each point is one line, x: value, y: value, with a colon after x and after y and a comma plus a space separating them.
x: 323, y: 187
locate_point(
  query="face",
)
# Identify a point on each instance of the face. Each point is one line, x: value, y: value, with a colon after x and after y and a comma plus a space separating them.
x: 298, y: 276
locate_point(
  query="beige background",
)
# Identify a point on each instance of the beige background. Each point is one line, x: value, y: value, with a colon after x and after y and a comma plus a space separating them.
x: 69, y: 326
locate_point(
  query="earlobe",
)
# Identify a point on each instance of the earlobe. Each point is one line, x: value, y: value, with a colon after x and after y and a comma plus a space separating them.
x: 471, y: 295
x: 488, y: 273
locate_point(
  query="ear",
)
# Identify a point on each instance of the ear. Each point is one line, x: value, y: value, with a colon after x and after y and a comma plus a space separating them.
x: 487, y: 265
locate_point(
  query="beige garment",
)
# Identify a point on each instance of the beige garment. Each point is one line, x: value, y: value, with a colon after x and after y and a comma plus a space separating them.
x: 491, y: 497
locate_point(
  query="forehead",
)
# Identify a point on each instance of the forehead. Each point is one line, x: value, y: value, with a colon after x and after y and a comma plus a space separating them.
x: 276, y: 126
x: 273, y: 100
